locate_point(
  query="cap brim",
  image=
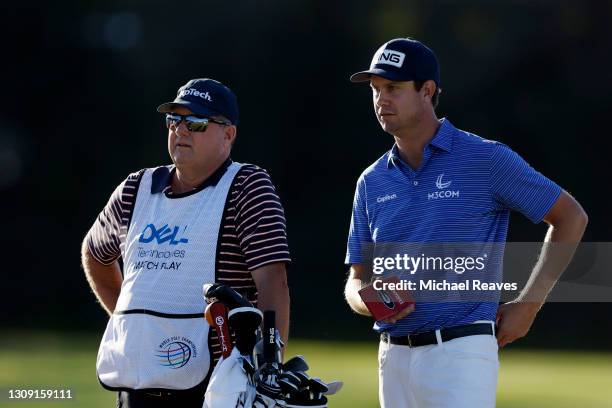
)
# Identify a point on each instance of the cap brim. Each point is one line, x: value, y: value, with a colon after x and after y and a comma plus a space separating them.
x: 193, y: 107
x: 364, y: 76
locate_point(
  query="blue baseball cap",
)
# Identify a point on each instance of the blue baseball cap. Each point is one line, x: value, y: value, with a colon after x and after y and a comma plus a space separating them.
x: 206, y: 97
x: 402, y: 59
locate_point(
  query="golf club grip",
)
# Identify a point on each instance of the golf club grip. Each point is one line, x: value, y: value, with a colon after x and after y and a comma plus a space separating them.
x: 269, y: 336
x: 216, y: 315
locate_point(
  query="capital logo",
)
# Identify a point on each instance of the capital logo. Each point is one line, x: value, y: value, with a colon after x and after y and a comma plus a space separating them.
x: 387, y: 197
x: 174, y: 355
x: 442, y: 185
x: 384, y: 297
x: 195, y: 92
x: 389, y: 57
x: 162, y: 235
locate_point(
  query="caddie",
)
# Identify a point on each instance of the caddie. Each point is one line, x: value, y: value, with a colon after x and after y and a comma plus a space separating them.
x: 203, y: 219
x: 440, y: 184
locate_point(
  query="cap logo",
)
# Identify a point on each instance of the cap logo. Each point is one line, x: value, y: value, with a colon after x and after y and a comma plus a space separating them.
x: 389, y: 57
x: 195, y: 92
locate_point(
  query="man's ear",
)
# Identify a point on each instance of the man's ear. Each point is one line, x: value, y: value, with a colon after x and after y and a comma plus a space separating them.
x: 429, y: 89
x: 230, y: 133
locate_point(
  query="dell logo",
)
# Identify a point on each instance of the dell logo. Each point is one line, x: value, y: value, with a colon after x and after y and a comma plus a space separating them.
x: 161, y: 235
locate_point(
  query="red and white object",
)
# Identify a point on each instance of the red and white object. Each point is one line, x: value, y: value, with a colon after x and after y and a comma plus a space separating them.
x: 216, y: 316
x: 385, y: 302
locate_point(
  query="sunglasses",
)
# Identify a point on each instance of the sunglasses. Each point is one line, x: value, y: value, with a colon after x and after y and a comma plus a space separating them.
x: 194, y: 123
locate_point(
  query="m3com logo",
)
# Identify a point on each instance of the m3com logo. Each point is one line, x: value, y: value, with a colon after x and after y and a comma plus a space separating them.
x: 442, y: 185
x: 442, y: 191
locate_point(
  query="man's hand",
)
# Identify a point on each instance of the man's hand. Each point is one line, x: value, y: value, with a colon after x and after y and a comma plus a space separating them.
x: 104, y: 280
x: 400, y: 315
x: 514, y: 319
x: 567, y: 222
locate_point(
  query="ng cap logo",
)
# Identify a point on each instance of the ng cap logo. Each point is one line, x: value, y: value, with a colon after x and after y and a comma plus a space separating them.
x: 389, y: 57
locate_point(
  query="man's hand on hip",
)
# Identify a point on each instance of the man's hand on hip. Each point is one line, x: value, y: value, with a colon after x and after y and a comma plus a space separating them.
x: 514, y: 319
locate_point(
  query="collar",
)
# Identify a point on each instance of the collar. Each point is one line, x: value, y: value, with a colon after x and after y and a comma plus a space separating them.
x: 443, y: 140
x: 162, y: 179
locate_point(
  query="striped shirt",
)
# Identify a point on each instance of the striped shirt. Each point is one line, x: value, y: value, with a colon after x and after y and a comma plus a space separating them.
x: 462, y: 192
x: 252, y: 232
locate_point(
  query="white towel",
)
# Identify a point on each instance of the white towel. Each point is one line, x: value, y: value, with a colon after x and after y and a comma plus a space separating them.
x: 227, y: 382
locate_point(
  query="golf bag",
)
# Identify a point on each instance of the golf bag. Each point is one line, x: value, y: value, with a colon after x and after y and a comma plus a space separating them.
x: 251, y: 374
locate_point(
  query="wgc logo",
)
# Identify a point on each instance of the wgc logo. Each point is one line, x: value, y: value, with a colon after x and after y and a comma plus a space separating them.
x: 174, y: 355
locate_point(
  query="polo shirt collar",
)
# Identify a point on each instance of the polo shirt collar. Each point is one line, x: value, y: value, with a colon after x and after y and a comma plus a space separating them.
x: 443, y: 139
x: 444, y: 136
x: 162, y: 179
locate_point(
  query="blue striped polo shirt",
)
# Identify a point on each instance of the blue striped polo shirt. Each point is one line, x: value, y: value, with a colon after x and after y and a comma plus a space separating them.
x: 462, y: 192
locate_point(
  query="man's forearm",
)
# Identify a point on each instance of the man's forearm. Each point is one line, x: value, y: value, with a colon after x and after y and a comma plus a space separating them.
x: 559, y: 246
x: 273, y: 294
x: 104, y: 280
x: 279, y: 302
x: 351, y: 293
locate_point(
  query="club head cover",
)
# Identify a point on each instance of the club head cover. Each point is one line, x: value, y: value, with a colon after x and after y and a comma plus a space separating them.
x: 244, y: 322
x: 226, y: 295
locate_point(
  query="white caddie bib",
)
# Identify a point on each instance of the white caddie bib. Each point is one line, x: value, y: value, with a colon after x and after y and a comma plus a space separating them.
x: 158, y: 337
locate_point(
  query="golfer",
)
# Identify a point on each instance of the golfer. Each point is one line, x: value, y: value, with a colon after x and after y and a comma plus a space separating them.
x: 441, y: 184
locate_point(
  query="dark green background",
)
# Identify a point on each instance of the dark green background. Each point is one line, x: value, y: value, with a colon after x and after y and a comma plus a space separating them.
x: 81, y: 80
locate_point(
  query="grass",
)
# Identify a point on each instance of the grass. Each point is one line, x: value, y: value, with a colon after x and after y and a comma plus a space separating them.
x: 542, y: 379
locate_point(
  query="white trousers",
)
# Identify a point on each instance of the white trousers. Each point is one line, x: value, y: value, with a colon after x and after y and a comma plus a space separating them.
x: 460, y: 373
